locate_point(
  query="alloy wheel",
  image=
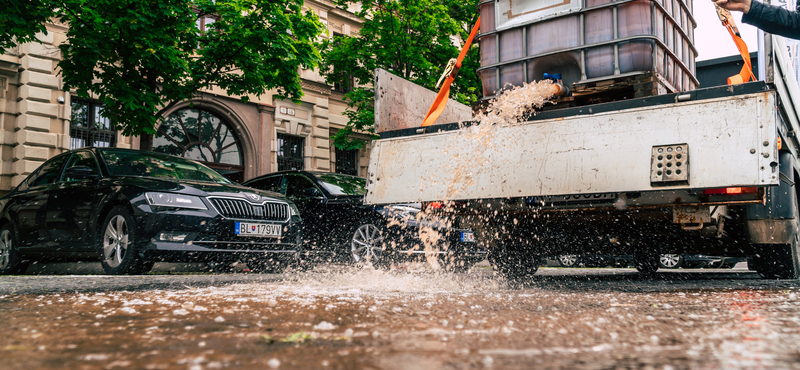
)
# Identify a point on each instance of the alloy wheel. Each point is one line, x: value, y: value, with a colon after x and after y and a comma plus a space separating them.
x: 115, y: 241
x: 5, y: 248
x: 568, y: 260
x: 670, y: 261
x: 366, y: 243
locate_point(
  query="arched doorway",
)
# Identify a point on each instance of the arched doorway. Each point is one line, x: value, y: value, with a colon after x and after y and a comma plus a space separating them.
x: 203, y: 136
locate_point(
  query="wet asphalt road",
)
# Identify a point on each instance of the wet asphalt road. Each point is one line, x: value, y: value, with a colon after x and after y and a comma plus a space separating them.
x: 341, y: 318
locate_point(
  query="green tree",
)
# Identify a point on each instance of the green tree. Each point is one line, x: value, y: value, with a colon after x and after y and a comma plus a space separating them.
x: 142, y: 56
x: 410, y: 38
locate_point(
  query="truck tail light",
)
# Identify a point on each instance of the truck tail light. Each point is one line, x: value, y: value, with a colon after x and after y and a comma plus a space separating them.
x: 730, y: 191
x: 432, y: 205
x: 780, y: 143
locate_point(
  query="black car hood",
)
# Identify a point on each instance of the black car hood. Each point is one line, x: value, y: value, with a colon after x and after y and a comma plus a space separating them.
x: 199, y: 188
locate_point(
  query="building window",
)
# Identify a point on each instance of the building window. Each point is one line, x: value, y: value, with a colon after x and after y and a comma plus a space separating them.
x: 88, y: 127
x: 347, y: 85
x: 203, y: 23
x: 290, y: 152
x: 347, y: 161
x: 203, y: 136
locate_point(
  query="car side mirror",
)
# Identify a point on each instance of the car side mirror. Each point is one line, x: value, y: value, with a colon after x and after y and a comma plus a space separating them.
x: 82, y: 173
x: 313, y: 193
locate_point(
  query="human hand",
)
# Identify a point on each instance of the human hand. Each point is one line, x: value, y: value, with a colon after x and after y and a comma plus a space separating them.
x: 735, y: 5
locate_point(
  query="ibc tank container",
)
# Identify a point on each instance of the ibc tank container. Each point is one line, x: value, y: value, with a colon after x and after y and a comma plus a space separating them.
x: 586, y: 41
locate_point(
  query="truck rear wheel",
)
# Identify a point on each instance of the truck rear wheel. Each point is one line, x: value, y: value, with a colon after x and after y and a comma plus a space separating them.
x: 781, y: 261
x: 778, y: 261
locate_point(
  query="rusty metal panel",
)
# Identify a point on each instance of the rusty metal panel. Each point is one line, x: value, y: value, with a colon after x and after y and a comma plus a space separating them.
x: 400, y: 103
x: 731, y: 142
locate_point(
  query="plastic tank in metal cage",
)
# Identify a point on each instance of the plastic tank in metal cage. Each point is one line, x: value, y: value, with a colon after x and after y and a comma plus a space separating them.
x: 586, y: 41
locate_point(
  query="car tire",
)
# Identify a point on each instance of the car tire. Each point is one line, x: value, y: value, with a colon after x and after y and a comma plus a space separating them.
x: 118, y: 254
x: 368, y: 244
x: 568, y: 260
x: 10, y: 262
x: 670, y: 261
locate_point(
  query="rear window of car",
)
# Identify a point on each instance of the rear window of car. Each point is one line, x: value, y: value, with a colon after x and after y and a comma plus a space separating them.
x: 132, y: 163
x: 343, y: 184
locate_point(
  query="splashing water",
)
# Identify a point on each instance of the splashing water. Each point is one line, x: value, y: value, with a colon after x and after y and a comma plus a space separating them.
x: 468, y: 149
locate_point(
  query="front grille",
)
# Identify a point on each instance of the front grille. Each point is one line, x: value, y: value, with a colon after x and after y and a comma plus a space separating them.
x: 237, y: 208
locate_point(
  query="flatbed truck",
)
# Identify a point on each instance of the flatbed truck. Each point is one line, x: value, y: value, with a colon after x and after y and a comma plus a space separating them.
x: 709, y: 171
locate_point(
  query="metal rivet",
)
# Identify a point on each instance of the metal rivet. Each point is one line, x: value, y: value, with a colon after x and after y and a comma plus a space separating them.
x: 766, y: 143
x: 752, y: 151
x: 766, y: 155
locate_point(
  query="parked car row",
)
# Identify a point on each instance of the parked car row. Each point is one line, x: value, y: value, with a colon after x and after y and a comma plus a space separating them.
x: 129, y: 209
x: 339, y: 226
x: 674, y: 261
x: 666, y: 261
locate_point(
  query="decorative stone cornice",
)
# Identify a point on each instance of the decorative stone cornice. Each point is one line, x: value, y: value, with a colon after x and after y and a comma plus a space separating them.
x: 337, y: 95
x: 315, y: 87
x: 266, y: 108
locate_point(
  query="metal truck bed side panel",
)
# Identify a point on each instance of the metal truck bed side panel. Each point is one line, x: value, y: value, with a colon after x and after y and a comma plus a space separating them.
x: 731, y: 141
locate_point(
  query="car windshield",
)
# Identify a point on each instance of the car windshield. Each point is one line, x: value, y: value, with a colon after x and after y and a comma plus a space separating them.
x: 343, y: 184
x: 132, y: 163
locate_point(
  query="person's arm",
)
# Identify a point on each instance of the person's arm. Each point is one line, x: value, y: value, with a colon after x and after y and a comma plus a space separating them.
x: 773, y: 19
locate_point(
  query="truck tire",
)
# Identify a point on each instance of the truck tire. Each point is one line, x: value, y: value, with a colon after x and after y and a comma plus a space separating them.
x: 781, y: 261
x: 778, y: 261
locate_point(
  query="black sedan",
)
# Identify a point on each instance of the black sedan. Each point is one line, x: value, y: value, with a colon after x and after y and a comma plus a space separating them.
x: 129, y: 209
x: 339, y: 226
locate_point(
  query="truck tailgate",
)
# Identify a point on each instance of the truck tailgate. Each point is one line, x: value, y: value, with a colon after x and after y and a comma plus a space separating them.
x: 731, y: 142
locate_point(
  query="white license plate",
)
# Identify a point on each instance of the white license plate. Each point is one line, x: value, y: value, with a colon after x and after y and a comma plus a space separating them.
x: 468, y: 237
x: 251, y: 229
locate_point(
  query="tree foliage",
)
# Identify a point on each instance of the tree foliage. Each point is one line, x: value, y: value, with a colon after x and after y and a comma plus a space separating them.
x: 410, y: 38
x: 142, y: 56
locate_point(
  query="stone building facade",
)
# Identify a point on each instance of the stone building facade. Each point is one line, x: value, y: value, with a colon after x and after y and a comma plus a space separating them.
x: 39, y: 120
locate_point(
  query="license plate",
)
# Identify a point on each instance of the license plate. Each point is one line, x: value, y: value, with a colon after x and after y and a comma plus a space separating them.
x: 468, y: 237
x: 251, y: 229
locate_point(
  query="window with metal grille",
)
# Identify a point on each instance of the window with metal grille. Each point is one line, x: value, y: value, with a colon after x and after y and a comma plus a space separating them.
x: 347, y: 161
x: 290, y: 152
x: 88, y: 127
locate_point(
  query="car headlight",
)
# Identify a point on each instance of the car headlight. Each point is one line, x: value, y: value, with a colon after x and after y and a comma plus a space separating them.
x: 174, y: 200
x: 293, y: 211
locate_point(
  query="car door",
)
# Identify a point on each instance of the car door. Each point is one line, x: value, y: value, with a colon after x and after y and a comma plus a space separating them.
x: 71, y: 204
x: 31, y: 207
x: 311, y: 203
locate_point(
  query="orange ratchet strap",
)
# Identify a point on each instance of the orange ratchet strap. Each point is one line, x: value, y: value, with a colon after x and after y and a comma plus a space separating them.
x: 450, y: 72
x: 747, y: 69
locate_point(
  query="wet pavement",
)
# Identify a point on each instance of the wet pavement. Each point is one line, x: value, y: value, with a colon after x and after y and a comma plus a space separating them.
x: 337, y: 317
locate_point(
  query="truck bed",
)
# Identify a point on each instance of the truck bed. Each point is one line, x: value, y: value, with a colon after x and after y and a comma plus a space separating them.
x: 603, y: 148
